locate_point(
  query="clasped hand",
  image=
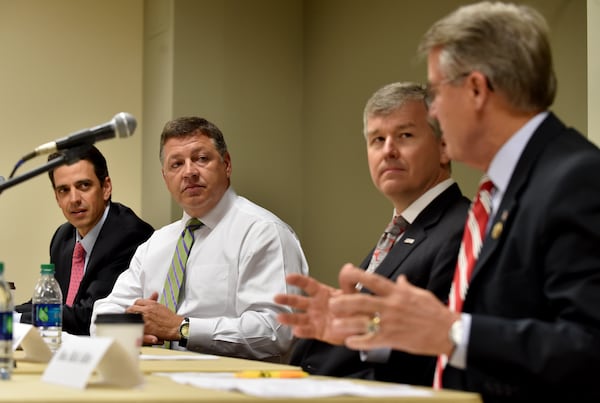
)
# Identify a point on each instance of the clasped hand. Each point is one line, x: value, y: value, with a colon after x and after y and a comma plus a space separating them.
x: 160, y: 323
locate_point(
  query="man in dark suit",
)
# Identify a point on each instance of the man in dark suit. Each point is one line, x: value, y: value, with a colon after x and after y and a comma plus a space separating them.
x: 409, y: 166
x: 529, y: 327
x: 109, y: 233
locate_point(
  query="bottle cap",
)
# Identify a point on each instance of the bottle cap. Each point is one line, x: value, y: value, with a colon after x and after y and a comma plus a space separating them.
x: 48, y: 268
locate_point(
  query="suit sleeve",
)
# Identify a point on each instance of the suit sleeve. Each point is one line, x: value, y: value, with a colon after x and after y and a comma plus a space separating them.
x: 115, y: 246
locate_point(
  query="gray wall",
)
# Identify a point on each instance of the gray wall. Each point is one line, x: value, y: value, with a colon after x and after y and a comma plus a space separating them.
x: 285, y: 80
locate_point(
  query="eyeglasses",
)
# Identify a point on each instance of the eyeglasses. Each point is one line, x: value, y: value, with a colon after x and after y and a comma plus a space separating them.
x: 432, y: 89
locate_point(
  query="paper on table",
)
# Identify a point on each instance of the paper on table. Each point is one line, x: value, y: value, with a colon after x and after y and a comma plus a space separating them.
x: 178, y: 357
x: 76, y: 359
x: 29, y: 339
x: 301, y: 387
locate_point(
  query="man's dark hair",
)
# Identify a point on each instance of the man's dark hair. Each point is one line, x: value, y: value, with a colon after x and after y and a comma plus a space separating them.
x: 94, y: 156
x: 189, y: 126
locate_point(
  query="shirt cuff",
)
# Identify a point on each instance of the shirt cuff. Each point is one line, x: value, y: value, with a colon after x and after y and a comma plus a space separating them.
x: 459, y: 356
x: 378, y: 355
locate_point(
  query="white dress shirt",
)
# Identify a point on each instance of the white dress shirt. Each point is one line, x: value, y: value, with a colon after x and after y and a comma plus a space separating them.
x: 237, y: 264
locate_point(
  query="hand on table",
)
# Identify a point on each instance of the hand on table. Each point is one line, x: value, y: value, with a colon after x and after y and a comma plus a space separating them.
x: 160, y: 323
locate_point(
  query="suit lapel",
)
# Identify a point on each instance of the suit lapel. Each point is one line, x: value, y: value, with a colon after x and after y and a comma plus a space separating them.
x: 92, y: 264
x: 401, y: 250
x: 416, y: 232
x: 64, y: 259
x: 544, y: 134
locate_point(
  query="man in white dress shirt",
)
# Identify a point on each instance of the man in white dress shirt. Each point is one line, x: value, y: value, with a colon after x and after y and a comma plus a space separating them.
x: 238, y: 262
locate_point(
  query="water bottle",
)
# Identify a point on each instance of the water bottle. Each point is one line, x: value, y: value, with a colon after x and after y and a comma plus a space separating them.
x: 6, y: 328
x: 47, y: 307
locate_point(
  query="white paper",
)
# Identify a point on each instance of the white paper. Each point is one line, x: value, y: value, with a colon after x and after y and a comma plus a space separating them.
x: 293, y: 388
x: 78, y: 357
x: 29, y: 339
x: 178, y: 357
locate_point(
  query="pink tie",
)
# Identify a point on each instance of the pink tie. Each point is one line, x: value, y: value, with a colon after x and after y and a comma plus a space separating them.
x: 470, y: 246
x: 76, y: 272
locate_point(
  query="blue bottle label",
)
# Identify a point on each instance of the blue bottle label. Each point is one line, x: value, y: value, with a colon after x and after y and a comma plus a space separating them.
x: 47, y: 315
x: 6, y: 325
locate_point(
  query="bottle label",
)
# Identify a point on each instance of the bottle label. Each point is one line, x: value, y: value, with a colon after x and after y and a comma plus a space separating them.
x: 6, y: 325
x: 47, y: 315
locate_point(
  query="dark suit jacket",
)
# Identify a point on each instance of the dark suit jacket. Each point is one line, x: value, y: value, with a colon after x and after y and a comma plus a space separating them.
x: 429, y: 263
x: 117, y: 241
x: 535, y: 291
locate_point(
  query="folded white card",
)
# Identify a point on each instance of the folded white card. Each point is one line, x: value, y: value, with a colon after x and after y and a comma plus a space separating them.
x: 78, y: 357
x: 29, y: 339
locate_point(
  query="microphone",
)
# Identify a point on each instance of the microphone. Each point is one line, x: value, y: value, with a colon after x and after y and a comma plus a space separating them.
x: 122, y: 125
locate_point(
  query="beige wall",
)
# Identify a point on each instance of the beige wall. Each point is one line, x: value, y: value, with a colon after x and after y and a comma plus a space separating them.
x: 352, y: 48
x: 593, y: 62
x: 65, y: 65
x: 285, y: 80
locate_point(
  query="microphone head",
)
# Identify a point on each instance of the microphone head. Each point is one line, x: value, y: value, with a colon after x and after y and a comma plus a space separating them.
x: 124, y: 124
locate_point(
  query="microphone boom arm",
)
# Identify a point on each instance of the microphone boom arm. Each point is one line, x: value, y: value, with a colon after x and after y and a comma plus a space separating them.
x: 68, y: 157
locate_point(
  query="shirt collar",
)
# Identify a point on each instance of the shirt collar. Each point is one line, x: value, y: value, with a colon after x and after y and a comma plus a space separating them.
x: 411, y: 212
x: 212, y: 218
x: 505, y: 161
x: 90, y: 239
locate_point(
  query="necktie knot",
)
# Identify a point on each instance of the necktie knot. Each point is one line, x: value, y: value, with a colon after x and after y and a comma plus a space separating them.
x: 397, y: 226
x: 193, y: 224
x: 79, y: 252
x: 386, y: 242
x: 485, y: 190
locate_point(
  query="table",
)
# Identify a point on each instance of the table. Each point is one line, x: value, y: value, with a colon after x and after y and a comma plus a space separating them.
x: 221, y: 364
x: 27, y: 387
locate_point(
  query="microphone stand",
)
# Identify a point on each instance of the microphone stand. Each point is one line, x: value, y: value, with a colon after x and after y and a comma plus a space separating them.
x: 68, y: 156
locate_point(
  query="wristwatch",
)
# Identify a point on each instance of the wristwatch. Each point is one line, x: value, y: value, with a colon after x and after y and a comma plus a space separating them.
x: 455, y: 334
x: 184, y: 332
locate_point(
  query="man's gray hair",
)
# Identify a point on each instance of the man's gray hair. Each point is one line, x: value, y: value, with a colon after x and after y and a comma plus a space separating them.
x: 393, y: 96
x: 507, y: 43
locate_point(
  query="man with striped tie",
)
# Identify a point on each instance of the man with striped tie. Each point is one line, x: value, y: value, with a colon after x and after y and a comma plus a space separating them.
x: 523, y: 323
x: 409, y: 166
x: 206, y: 282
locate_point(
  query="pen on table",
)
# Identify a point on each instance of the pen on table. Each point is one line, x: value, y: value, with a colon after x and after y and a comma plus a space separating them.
x: 271, y: 374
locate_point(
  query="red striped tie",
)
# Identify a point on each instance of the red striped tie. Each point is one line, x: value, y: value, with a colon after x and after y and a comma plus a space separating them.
x: 470, y: 246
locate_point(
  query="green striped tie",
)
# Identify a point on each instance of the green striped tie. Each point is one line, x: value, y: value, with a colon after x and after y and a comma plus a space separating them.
x: 176, y: 276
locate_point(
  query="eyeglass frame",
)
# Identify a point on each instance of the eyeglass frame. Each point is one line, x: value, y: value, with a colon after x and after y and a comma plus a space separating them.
x: 431, y: 89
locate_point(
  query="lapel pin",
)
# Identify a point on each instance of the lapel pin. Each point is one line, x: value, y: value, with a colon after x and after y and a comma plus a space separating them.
x: 497, y: 230
x: 409, y: 240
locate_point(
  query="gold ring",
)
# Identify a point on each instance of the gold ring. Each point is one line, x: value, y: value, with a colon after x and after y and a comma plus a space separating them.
x: 373, y: 326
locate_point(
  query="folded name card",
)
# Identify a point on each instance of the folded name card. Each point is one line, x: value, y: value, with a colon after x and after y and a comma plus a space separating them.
x: 78, y: 357
x: 29, y: 339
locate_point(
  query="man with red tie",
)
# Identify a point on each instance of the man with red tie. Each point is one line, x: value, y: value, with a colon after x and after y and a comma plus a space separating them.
x: 525, y: 324
x: 95, y: 245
